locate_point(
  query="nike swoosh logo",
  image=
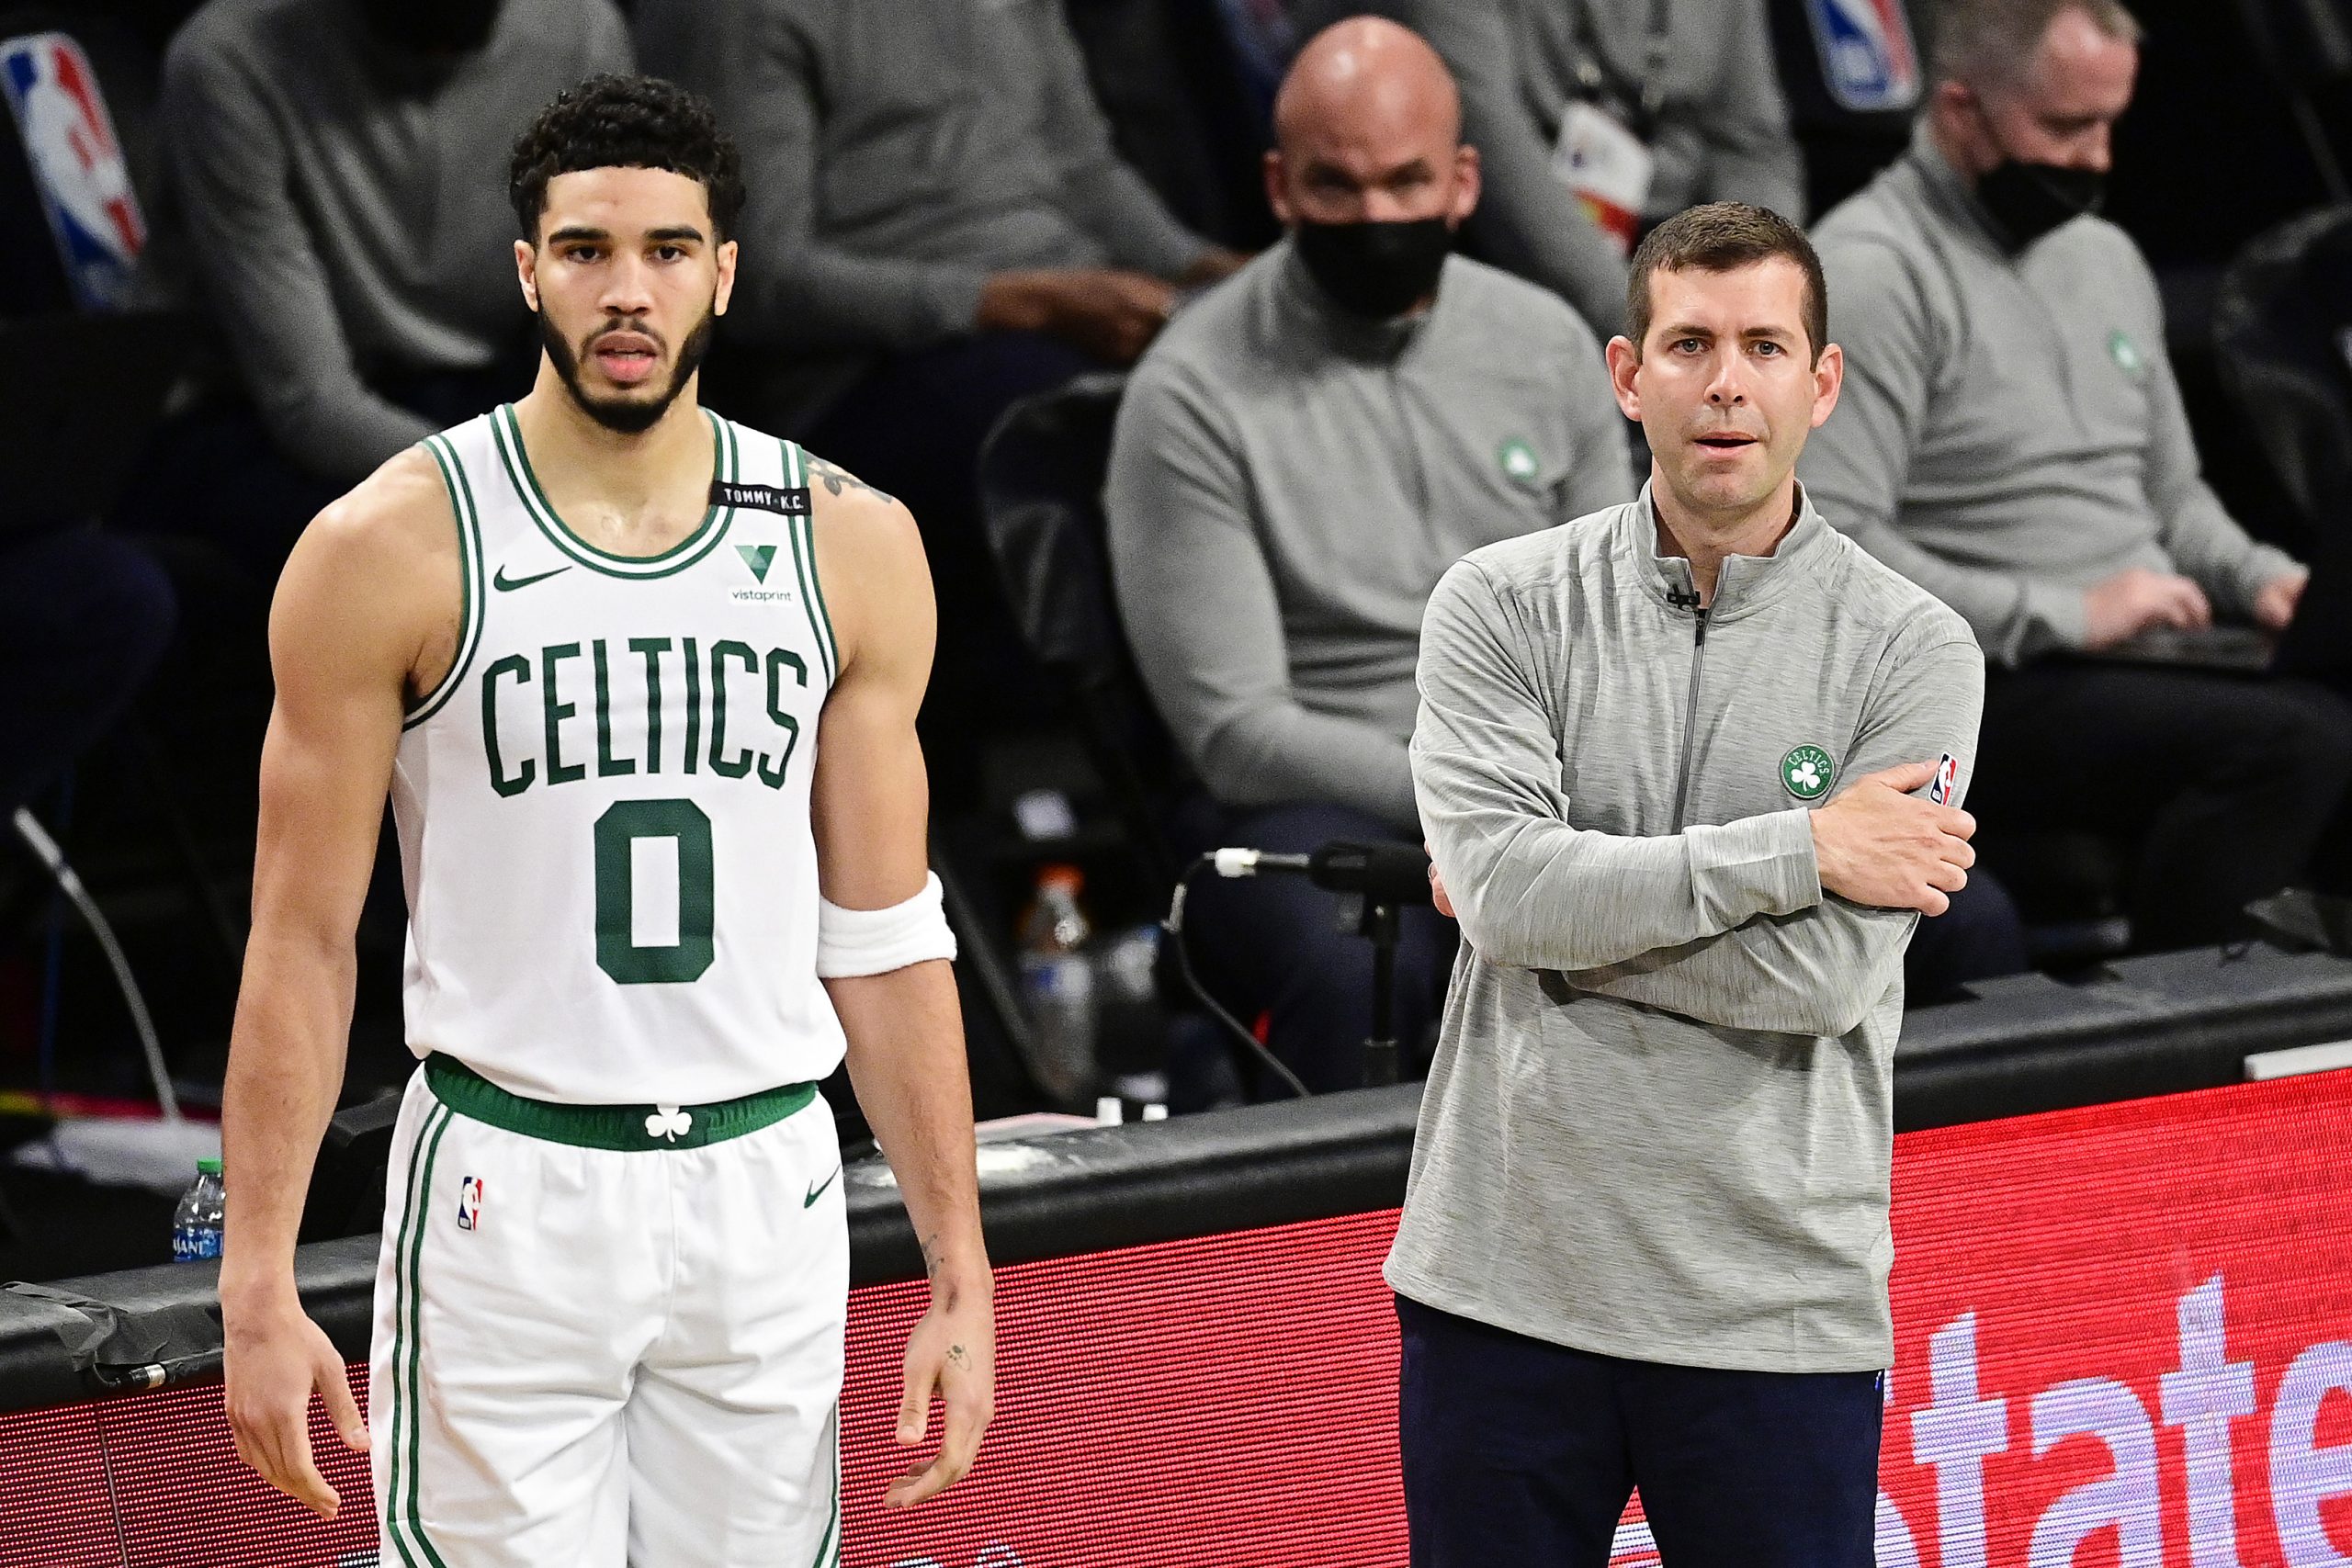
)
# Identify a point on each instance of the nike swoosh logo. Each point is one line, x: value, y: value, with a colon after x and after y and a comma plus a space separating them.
x: 505, y: 583
x: 818, y: 1190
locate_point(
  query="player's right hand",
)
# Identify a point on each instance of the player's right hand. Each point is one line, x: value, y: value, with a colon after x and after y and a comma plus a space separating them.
x: 1879, y: 844
x: 2131, y: 601
x: 273, y: 1361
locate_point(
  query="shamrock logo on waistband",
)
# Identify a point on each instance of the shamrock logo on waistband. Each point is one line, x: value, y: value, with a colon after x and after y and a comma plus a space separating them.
x: 669, y: 1121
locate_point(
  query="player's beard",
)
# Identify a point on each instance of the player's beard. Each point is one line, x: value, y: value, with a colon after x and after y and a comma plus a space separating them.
x: 626, y: 416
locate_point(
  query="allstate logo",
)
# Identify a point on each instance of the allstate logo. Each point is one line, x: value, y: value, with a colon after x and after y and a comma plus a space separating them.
x: 996, y: 1554
x: 70, y: 145
x: 1868, y: 61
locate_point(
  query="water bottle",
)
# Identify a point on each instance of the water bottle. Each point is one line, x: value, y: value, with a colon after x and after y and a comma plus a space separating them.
x: 195, y: 1229
x: 1057, y: 984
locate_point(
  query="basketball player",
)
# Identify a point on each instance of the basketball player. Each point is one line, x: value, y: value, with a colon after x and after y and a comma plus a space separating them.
x: 644, y: 697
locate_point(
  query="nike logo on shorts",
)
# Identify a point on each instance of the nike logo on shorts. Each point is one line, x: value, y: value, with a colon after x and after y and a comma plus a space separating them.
x: 818, y: 1190
x: 505, y: 584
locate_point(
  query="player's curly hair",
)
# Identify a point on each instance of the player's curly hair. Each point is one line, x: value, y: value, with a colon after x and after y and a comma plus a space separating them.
x: 630, y: 122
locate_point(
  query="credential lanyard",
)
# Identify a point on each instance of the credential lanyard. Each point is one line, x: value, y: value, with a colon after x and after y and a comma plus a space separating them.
x: 1596, y: 78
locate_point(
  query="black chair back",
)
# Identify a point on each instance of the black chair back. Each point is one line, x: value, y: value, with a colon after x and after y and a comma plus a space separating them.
x: 1041, y: 474
x: 2282, y: 333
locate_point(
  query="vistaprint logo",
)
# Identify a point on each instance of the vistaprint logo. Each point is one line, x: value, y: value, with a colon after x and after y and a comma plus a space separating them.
x: 758, y: 559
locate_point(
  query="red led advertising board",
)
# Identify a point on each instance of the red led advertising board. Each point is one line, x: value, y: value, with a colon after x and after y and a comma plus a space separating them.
x: 2123, y: 1340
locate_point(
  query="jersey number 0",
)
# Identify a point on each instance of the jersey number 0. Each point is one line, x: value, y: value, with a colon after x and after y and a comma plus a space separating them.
x: 624, y: 825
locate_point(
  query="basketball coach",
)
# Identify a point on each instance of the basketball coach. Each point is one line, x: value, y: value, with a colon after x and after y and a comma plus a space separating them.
x: 1688, y: 768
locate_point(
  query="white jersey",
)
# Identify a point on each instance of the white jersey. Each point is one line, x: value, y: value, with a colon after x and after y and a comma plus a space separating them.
x: 604, y: 808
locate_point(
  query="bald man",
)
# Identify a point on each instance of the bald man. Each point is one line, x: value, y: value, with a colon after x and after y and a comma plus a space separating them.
x: 1299, y: 458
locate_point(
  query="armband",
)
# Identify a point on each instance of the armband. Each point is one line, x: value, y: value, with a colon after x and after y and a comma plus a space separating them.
x: 851, y: 942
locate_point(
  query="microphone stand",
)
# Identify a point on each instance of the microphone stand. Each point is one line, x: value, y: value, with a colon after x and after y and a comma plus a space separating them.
x: 1385, y: 878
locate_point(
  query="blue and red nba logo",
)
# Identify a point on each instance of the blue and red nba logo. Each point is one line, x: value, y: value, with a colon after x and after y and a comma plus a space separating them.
x: 470, y: 1203
x: 1868, y: 61
x: 77, y: 164
x: 1946, y: 784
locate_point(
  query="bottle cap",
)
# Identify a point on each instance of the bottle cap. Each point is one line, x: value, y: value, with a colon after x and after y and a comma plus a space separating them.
x: 207, y: 1167
x: 1068, y: 876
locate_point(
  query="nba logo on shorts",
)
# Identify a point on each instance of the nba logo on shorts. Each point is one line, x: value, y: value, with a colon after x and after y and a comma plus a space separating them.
x: 1946, y: 781
x: 470, y: 1203
x: 1867, y: 60
x: 69, y: 145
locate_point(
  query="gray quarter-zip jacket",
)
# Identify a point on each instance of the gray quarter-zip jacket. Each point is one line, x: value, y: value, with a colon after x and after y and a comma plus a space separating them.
x: 1659, y: 1123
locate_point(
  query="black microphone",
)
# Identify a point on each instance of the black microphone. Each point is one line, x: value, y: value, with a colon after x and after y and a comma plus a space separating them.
x: 1386, y: 874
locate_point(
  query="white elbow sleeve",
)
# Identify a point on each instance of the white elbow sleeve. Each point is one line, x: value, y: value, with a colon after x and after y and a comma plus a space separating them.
x: 874, y: 941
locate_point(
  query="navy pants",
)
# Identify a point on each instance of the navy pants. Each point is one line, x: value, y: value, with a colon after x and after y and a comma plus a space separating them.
x: 2225, y: 785
x: 1523, y: 1452
x: 1273, y: 945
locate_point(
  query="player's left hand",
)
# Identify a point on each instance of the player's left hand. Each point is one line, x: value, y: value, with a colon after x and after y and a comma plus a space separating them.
x: 1437, y: 884
x: 951, y: 1353
x: 2274, y: 603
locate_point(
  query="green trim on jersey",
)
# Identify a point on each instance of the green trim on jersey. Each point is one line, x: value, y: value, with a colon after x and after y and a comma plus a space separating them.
x: 802, y: 530
x: 829, y: 1549
x: 473, y: 593
x: 408, y: 1251
x: 624, y: 1128
x: 677, y: 557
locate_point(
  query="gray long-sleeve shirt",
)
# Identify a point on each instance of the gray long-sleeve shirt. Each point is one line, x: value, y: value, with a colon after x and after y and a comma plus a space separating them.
x: 1660, y: 1120
x: 1722, y: 132
x: 1287, y: 484
x: 346, y: 201
x: 895, y: 155
x: 2010, y: 431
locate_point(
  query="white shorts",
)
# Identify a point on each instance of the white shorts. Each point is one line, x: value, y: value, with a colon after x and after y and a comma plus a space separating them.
x: 612, y: 1340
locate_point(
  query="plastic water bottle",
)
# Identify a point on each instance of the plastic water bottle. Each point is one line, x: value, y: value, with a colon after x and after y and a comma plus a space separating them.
x: 195, y: 1229
x: 1058, y: 983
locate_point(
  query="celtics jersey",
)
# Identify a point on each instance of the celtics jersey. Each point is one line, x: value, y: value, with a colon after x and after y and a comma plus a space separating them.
x: 604, y: 808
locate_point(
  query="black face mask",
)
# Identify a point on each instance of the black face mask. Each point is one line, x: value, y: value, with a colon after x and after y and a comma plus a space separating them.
x: 2027, y: 200
x: 1376, y: 270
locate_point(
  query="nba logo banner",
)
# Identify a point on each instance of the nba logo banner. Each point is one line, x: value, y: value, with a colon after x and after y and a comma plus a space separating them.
x: 78, y: 164
x: 470, y: 1203
x: 1867, y: 57
x: 1946, y: 781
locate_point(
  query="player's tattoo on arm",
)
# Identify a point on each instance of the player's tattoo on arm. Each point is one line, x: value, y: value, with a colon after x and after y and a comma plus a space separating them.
x: 836, y: 479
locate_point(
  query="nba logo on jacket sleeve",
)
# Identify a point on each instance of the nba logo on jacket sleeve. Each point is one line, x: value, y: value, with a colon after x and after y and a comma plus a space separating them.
x: 470, y: 1203
x: 1867, y: 59
x: 70, y: 145
x: 1946, y: 781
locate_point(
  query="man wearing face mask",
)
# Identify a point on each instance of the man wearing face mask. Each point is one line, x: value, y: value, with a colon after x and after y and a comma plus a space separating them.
x: 1298, y: 459
x: 333, y: 165
x: 2012, y: 440
x: 1599, y: 117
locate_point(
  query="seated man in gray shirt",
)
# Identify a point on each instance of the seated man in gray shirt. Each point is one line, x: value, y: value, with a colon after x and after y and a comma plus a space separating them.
x: 1298, y: 461
x: 2012, y: 440
x: 339, y: 168
x: 1647, y: 106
